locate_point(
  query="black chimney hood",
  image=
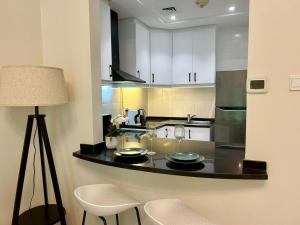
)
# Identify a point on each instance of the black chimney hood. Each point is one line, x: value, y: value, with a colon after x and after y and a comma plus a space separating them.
x: 117, y: 74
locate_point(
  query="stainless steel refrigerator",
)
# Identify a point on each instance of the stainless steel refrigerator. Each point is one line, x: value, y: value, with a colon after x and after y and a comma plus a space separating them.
x: 231, y: 107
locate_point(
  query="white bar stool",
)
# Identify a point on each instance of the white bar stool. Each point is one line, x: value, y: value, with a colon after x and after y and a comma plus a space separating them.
x: 105, y: 200
x: 173, y: 212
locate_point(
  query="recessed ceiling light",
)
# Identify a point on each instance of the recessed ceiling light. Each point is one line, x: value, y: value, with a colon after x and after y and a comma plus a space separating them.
x: 173, y: 17
x: 231, y: 8
x: 237, y: 35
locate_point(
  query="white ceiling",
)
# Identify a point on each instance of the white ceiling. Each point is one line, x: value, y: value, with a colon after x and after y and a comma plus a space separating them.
x: 188, y: 13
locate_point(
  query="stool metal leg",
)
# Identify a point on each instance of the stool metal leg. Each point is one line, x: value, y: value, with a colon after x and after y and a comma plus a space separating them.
x: 103, y: 219
x: 83, y: 218
x: 117, y: 219
x: 138, y: 215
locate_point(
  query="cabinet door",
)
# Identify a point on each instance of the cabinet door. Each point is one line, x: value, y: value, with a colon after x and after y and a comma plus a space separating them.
x: 142, y: 52
x: 161, y: 56
x: 182, y: 56
x: 204, y: 55
x: 165, y: 132
x: 106, y: 58
x: 198, y: 133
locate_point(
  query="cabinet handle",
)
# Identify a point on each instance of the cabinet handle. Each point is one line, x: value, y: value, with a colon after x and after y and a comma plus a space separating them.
x: 195, y: 77
x: 190, y: 77
x: 138, y: 72
x: 167, y: 133
x: 152, y: 77
x: 110, y: 73
x: 189, y: 134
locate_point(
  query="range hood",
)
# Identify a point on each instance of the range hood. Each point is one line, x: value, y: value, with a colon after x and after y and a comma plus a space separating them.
x: 118, y: 76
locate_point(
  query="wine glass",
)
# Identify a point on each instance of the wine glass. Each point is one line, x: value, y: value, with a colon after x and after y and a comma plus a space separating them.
x: 179, y: 133
x: 151, y: 134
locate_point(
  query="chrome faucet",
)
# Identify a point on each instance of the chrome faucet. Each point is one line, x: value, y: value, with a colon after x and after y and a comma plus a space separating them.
x: 190, y: 117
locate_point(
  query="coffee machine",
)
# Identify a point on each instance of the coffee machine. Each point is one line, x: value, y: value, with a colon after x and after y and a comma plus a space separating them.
x: 136, y: 117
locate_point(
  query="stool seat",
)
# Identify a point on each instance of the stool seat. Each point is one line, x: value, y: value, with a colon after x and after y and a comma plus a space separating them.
x: 104, y: 199
x: 173, y: 212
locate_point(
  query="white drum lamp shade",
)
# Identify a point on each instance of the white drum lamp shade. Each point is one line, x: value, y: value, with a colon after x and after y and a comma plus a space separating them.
x: 32, y: 86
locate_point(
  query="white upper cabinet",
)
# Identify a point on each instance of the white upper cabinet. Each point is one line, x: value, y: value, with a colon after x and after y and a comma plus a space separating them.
x: 194, y: 57
x: 182, y: 56
x: 164, y: 57
x: 143, y: 52
x: 204, y: 55
x: 134, y: 44
x: 232, y: 48
x: 161, y: 57
x: 106, y: 55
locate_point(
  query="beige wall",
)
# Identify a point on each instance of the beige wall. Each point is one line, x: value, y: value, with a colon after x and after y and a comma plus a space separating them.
x: 67, y: 43
x: 181, y: 101
x: 274, y: 53
x: 20, y: 43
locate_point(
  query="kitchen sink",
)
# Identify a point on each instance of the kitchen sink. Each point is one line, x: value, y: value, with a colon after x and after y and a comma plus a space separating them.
x: 196, y: 122
x: 193, y: 122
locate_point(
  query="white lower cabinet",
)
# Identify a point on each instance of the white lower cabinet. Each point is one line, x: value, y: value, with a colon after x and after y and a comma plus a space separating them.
x: 191, y: 133
x: 197, y: 133
x: 165, y: 132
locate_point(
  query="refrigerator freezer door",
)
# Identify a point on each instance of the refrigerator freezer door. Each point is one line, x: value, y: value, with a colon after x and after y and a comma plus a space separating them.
x: 230, y: 127
x: 231, y: 88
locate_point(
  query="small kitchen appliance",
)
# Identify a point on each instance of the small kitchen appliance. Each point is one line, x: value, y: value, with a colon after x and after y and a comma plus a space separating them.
x: 136, y: 117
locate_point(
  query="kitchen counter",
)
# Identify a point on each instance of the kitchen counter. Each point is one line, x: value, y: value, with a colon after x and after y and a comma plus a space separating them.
x: 221, y: 163
x: 158, y: 122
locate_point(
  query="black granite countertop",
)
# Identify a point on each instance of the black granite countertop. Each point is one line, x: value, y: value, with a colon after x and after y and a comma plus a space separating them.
x: 158, y: 122
x: 221, y: 163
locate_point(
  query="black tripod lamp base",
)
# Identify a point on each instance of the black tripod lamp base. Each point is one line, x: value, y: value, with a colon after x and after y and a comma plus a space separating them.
x: 40, y: 215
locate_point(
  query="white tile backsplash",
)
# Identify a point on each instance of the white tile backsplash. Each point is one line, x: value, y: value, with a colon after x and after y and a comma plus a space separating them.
x: 181, y: 101
x: 161, y: 101
x: 133, y: 98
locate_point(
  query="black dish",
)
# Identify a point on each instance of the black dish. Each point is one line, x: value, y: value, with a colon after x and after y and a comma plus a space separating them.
x: 185, y: 167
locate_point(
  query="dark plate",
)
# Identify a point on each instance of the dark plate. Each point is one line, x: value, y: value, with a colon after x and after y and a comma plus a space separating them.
x: 184, y: 156
x: 199, y: 160
x: 131, y: 152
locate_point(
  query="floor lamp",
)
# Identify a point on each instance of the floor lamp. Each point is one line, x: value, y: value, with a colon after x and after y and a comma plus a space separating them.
x: 35, y: 86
